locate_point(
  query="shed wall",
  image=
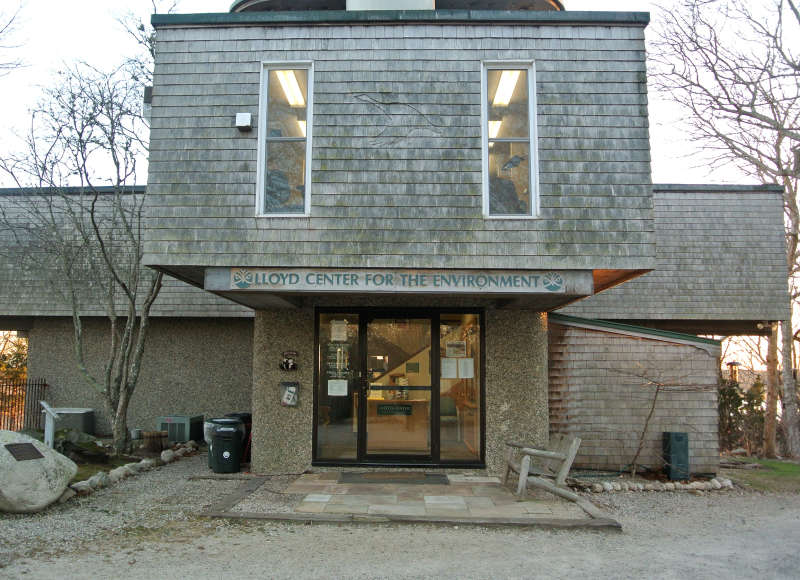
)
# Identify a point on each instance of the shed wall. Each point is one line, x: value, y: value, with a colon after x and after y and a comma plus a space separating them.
x: 599, y: 391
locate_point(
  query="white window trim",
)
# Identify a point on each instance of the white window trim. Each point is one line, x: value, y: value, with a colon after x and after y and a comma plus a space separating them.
x: 533, y: 164
x: 262, y: 135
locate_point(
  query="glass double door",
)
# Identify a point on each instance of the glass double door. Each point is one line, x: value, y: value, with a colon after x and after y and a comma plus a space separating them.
x: 379, y: 392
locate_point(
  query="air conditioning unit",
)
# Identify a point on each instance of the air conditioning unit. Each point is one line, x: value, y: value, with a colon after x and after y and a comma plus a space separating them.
x: 181, y: 428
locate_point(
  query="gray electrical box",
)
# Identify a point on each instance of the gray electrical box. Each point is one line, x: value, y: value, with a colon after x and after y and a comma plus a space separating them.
x: 181, y: 428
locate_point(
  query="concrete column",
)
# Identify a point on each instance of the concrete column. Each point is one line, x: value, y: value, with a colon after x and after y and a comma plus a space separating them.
x: 516, y: 382
x: 282, y: 435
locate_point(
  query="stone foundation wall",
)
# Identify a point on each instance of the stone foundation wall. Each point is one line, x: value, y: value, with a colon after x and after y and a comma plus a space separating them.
x: 599, y: 391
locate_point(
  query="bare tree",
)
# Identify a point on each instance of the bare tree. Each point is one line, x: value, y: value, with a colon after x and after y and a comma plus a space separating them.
x: 82, y: 223
x: 654, y: 384
x: 736, y: 70
x: 140, y: 65
x: 7, y: 29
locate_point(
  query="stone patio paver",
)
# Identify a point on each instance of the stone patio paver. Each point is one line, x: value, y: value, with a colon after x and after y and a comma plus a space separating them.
x: 311, y: 507
x: 364, y: 499
x: 445, y: 499
x: 463, y: 497
x: 347, y: 508
x: 447, y: 512
x: 479, y: 502
x: 473, y: 479
x: 397, y: 510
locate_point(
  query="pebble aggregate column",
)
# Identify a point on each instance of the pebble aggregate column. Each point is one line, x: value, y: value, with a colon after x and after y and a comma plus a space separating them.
x: 516, y: 382
x: 282, y: 435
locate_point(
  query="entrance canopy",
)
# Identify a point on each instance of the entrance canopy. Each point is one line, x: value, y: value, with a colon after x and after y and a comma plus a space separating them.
x: 286, y: 287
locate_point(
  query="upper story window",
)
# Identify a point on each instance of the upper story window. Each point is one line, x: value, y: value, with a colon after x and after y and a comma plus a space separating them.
x: 284, y: 140
x: 508, y: 114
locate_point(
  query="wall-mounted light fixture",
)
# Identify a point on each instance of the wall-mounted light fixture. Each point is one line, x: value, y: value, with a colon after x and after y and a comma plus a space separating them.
x: 244, y: 121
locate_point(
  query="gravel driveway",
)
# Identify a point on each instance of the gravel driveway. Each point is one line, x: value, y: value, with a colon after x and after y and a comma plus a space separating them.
x: 146, y: 527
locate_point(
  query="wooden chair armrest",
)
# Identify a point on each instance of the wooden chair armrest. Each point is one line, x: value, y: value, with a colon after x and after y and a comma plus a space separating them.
x: 542, y: 453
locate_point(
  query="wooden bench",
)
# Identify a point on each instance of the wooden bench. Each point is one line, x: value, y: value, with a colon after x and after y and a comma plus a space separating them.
x: 534, y: 464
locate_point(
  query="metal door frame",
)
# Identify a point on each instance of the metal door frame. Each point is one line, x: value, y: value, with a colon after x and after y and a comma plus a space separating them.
x: 394, y: 460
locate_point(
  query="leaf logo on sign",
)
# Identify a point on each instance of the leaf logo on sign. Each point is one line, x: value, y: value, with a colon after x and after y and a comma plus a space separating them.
x: 553, y: 281
x: 242, y: 279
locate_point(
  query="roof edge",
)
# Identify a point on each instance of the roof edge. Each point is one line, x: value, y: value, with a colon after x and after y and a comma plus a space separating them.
x: 717, y: 188
x: 321, y: 17
x: 72, y: 190
x: 630, y: 329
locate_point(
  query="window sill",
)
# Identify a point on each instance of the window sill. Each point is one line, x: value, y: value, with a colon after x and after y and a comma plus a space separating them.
x: 283, y: 215
x: 510, y: 217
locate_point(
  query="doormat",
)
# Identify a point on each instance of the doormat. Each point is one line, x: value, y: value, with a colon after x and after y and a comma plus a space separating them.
x: 401, y: 477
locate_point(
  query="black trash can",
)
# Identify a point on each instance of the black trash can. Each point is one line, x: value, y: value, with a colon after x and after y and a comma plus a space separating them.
x: 210, y: 425
x: 226, y: 449
x: 247, y: 420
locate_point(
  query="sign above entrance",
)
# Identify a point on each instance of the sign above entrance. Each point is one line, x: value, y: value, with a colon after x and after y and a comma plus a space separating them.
x: 399, y: 280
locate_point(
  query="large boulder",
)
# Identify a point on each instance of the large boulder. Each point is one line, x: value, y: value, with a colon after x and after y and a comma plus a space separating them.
x: 30, y: 485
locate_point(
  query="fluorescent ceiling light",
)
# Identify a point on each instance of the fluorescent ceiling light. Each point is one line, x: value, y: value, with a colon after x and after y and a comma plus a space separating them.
x: 494, y: 128
x: 290, y: 88
x: 302, y: 125
x: 505, y: 88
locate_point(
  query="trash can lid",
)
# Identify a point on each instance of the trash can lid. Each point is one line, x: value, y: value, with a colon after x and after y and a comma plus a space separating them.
x: 224, y: 421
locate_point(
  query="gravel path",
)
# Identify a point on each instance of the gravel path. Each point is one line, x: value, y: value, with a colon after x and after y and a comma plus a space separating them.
x: 145, y: 528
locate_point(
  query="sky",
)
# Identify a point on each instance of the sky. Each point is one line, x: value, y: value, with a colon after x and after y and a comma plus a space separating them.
x: 52, y: 33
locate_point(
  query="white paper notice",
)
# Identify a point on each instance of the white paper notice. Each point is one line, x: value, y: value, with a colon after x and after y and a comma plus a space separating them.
x: 466, y: 368
x: 338, y: 330
x: 449, y: 368
x: 337, y: 388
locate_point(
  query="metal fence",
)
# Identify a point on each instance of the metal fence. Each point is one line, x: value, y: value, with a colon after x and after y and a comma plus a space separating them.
x: 19, y: 404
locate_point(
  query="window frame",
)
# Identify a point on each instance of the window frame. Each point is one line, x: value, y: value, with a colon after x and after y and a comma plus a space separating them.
x: 263, y: 104
x: 533, y: 162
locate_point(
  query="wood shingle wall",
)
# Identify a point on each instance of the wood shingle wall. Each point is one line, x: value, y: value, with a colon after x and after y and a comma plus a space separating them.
x: 31, y: 286
x: 409, y: 196
x: 599, y: 391
x: 720, y: 255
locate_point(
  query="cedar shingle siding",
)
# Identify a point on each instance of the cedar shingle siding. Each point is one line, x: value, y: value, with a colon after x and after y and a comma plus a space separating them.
x: 720, y: 255
x: 410, y: 197
x: 599, y: 391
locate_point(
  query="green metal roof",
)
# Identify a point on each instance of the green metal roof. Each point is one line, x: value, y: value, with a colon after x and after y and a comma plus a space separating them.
x: 310, y: 17
x: 630, y: 328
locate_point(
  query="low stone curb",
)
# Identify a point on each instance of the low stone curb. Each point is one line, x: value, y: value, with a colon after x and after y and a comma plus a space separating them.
x: 601, y: 523
x: 695, y: 487
x: 103, y: 479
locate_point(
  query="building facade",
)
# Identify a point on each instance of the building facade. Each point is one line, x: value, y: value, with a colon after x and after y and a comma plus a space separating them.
x: 368, y: 215
x: 414, y: 192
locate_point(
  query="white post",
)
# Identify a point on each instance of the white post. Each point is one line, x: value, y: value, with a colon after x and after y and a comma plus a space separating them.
x: 50, y: 417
